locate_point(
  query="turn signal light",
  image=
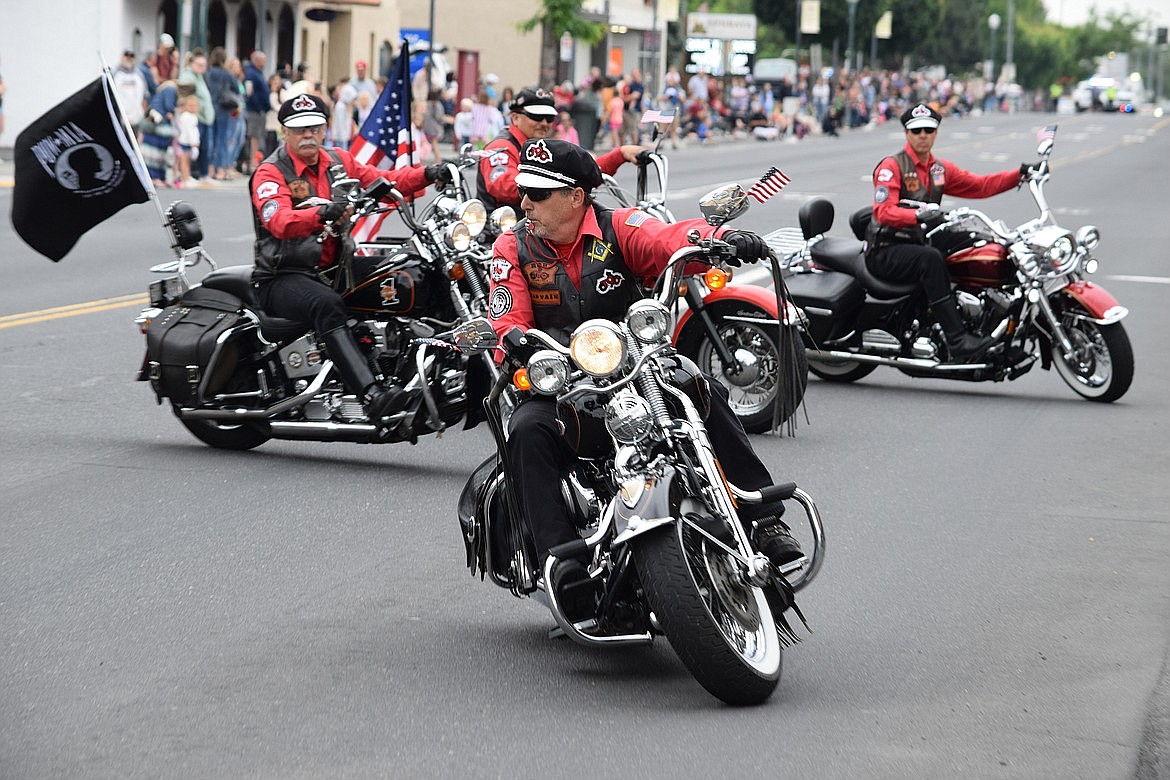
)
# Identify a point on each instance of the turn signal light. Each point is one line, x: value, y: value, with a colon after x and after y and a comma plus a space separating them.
x: 716, y: 278
x: 520, y: 379
x: 455, y: 272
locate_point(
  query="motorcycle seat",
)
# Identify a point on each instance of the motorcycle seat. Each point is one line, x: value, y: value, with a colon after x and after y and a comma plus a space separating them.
x: 848, y: 256
x: 237, y: 280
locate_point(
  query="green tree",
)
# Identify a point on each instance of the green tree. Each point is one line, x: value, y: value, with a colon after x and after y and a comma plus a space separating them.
x: 555, y: 18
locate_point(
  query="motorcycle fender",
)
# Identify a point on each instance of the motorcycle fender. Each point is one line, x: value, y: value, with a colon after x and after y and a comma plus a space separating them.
x: 746, y: 292
x: 1097, y: 301
x: 643, y: 504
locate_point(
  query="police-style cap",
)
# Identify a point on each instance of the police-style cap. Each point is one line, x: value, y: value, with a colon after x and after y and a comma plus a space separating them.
x: 920, y: 115
x: 550, y: 163
x: 303, y: 111
x: 535, y: 101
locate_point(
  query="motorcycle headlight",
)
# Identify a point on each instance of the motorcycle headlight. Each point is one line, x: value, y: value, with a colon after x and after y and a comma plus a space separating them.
x: 597, y: 347
x: 1053, y: 250
x: 1088, y: 237
x: 648, y: 321
x: 474, y: 215
x: 457, y: 236
x: 548, y: 372
x: 1061, y: 254
x: 503, y: 218
x: 628, y: 418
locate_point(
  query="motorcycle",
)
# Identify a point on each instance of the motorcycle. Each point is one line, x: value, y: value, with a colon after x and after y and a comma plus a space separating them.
x: 733, y: 332
x: 236, y: 376
x: 1025, y: 287
x: 658, y: 519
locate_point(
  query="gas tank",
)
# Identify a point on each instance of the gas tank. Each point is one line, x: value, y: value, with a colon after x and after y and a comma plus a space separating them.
x: 975, y: 262
x: 399, y: 285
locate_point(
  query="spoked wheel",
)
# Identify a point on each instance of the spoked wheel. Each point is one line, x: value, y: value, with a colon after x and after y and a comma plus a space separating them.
x: 840, y: 370
x: 721, y: 628
x: 1101, y: 367
x: 240, y: 436
x: 755, y: 388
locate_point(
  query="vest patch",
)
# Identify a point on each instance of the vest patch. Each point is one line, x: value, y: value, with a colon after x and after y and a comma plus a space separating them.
x: 545, y: 297
x: 938, y: 174
x: 540, y: 274
x: 609, y: 281
x: 599, y: 252
x: 911, y: 184
x: 299, y: 188
x: 500, y: 303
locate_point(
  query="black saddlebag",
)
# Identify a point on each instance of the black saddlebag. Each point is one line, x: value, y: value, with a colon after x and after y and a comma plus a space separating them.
x: 831, y: 301
x: 186, y: 360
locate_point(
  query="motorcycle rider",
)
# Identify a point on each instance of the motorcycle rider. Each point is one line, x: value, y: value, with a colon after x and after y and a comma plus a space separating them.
x: 571, y: 260
x: 533, y: 115
x: 290, y: 250
x: 896, y: 235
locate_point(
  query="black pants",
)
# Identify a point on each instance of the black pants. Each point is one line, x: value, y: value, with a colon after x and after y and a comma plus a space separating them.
x: 305, y: 299
x: 539, y: 457
x: 912, y: 263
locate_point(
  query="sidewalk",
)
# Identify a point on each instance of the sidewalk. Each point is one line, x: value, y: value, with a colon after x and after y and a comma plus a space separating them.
x: 7, y: 168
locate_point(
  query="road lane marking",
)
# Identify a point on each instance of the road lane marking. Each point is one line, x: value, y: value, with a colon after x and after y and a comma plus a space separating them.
x: 1140, y: 279
x: 60, y: 312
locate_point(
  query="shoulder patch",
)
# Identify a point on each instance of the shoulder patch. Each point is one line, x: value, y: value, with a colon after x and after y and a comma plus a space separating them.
x: 268, y: 209
x: 880, y: 194
x: 497, y: 173
x: 267, y: 190
x: 885, y: 174
x: 500, y: 303
x: 499, y: 269
x: 498, y: 159
x: 636, y: 218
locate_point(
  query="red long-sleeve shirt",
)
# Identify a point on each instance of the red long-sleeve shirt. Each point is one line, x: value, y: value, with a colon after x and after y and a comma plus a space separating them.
x: 959, y: 183
x: 272, y: 197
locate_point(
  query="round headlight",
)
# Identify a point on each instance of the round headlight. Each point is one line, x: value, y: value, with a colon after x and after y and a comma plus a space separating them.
x: 1088, y: 237
x: 503, y: 218
x: 597, y: 347
x: 628, y: 418
x: 457, y: 236
x: 548, y: 372
x: 474, y: 215
x: 1061, y: 253
x: 648, y: 321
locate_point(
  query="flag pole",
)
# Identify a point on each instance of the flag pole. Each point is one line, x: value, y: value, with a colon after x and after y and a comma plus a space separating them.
x: 140, y: 169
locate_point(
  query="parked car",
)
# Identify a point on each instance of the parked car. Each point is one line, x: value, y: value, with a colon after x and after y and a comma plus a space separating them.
x: 1105, y: 93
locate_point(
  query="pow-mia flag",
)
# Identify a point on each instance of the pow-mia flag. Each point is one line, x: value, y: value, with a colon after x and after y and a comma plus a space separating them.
x: 75, y: 168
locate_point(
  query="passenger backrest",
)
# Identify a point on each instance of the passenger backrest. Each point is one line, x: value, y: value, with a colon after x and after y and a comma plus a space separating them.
x: 816, y: 217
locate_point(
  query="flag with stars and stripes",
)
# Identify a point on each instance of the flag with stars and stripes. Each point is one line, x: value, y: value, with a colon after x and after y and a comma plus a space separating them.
x: 769, y: 184
x: 384, y: 140
x: 1046, y: 134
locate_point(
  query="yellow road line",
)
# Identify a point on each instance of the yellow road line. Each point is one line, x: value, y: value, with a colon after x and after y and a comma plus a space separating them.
x: 60, y: 312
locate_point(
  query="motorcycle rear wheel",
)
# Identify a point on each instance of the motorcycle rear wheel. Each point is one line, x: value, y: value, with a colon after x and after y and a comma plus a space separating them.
x: 240, y: 436
x: 754, y: 401
x: 721, y: 629
x: 1102, y: 365
x: 840, y: 371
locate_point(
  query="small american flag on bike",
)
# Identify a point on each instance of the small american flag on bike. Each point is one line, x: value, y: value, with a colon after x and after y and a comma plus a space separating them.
x: 1046, y: 134
x: 769, y: 184
x: 654, y: 116
x: 384, y: 140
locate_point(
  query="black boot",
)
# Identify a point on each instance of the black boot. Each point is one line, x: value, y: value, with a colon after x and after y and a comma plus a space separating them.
x: 774, y: 540
x: 965, y: 347
x: 378, y: 400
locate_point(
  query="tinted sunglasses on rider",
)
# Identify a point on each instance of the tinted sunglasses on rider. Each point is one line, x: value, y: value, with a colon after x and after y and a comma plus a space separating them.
x: 539, y: 194
x: 921, y: 130
x: 541, y: 117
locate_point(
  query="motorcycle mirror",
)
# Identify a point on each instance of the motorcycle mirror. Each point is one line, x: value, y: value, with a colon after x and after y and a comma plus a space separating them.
x: 475, y: 335
x: 720, y: 206
x: 1045, y: 147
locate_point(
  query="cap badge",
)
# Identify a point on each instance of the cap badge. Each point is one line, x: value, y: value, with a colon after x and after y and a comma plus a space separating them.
x: 920, y: 111
x: 538, y: 153
x: 303, y: 103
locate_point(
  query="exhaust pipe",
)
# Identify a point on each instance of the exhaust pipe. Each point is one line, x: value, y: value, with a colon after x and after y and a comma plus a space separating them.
x: 836, y: 356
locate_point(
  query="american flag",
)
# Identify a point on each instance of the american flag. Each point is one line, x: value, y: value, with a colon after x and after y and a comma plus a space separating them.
x: 769, y: 184
x: 384, y: 140
x: 655, y: 116
x: 1046, y: 134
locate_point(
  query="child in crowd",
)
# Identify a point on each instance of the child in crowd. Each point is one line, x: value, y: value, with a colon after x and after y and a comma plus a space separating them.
x: 462, y: 129
x: 186, y: 139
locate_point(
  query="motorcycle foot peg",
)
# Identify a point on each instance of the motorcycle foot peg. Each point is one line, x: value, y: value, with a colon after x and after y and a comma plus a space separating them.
x: 575, y: 549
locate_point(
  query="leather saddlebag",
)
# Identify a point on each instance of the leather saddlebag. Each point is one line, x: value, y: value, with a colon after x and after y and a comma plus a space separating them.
x: 184, y: 362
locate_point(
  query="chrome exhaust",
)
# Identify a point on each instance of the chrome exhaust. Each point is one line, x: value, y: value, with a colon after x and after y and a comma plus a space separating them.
x: 837, y: 356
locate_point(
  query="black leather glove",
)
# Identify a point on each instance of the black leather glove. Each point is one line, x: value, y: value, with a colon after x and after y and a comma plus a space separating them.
x: 331, y: 212
x: 1026, y: 169
x: 438, y: 173
x: 748, y: 246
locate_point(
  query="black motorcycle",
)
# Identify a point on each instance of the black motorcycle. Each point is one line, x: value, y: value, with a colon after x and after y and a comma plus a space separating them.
x: 658, y: 520
x: 236, y: 376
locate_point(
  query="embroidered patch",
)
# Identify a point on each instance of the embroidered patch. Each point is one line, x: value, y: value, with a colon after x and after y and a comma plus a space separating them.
x: 885, y: 174
x: 545, y: 297
x: 538, y: 152
x: 501, y: 303
x: 299, y: 188
x: 609, y: 281
x: 267, y: 190
x: 938, y: 174
x: 268, y: 209
x: 599, y: 252
x: 496, y: 173
x: 880, y: 194
x: 911, y: 184
x: 498, y: 159
x: 540, y: 274
x: 636, y: 218
x: 499, y: 269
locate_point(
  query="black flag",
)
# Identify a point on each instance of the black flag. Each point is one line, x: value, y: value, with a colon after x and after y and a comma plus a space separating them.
x: 75, y: 168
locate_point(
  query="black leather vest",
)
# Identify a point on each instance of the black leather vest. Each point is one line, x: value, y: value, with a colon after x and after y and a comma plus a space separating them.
x: 879, y: 236
x: 608, y: 287
x: 481, y: 190
x: 272, y: 255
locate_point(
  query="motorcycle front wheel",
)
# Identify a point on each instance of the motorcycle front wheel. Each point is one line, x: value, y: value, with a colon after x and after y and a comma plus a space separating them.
x: 840, y: 370
x: 1101, y: 366
x: 721, y: 628
x: 756, y: 390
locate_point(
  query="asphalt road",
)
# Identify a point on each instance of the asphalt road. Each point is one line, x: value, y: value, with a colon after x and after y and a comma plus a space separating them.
x: 993, y: 605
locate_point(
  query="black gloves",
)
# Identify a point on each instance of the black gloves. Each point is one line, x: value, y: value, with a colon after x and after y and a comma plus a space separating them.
x: 331, y: 212
x: 438, y: 173
x: 1026, y: 169
x: 748, y: 246
x: 929, y: 216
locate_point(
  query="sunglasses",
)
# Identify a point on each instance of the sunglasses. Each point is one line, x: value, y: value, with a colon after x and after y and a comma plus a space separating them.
x: 540, y: 117
x: 539, y: 195
x: 921, y: 130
